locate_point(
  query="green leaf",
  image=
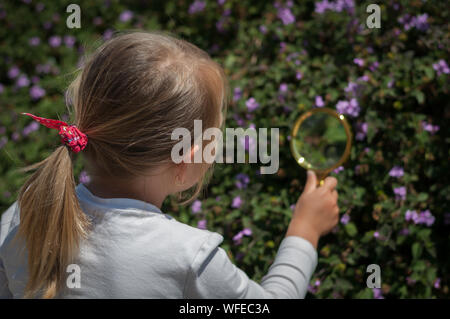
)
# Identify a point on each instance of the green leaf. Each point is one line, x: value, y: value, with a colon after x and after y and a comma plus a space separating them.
x: 351, y: 230
x: 416, y: 250
x: 419, y: 96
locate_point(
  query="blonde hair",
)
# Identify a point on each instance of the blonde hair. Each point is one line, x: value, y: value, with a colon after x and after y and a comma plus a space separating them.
x: 131, y: 93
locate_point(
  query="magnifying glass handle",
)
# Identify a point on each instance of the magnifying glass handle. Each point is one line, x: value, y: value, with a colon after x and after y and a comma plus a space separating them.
x: 320, y: 178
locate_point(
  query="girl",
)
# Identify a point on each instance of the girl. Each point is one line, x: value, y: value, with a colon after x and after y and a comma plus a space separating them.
x: 109, y: 239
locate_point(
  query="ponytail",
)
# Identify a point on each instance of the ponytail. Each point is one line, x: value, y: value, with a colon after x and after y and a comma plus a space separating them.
x: 52, y: 223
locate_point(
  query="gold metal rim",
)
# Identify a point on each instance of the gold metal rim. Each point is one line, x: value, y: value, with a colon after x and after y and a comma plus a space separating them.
x: 348, y: 132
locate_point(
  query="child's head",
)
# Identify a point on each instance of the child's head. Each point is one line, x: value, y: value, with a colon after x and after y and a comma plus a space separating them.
x: 133, y: 92
x: 128, y: 98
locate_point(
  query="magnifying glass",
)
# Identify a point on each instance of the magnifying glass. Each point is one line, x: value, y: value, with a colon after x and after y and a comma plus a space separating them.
x: 321, y: 140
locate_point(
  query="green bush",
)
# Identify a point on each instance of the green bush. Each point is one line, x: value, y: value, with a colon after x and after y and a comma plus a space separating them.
x: 392, y: 81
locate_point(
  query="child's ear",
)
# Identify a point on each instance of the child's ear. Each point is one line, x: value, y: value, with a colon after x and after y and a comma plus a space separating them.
x: 189, y: 157
x: 180, y: 175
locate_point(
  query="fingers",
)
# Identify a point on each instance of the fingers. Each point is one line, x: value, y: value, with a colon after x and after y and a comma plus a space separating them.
x: 311, y: 182
x: 334, y: 195
x: 330, y: 183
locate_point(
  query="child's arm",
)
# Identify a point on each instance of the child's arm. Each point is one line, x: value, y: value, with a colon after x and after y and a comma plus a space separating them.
x: 288, y: 276
x: 8, y: 220
x: 316, y: 213
x: 4, y: 290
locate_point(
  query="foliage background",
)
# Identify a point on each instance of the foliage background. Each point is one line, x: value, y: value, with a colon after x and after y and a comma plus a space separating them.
x: 287, y: 67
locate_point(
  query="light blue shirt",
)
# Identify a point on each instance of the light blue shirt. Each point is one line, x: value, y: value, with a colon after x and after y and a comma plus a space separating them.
x: 136, y: 251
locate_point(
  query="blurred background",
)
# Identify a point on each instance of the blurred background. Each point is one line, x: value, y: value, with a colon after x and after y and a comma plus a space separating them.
x: 282, y: 59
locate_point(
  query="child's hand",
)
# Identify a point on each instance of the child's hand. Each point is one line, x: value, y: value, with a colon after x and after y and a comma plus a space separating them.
x: 316, y: 211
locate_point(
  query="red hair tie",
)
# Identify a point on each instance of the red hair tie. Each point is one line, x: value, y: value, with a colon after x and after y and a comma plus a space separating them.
x: 70, y: 134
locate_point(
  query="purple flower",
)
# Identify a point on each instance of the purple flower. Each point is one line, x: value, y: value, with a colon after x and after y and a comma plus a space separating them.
x: 242, y: 180
x: 319, y: 101
x: 400, y: 192
x: 429, y: 127
x: 348, y: 107
x: 377, y: 293
x: 404, y: 232
x: 390, y: 83
x: 69, y: 41
x: 201, y: 224
x: 364, y: 78
x: 84, y: 178
x: 36, y: 92
x: 313, y: 288
x: 54, y: 41
x: 2, y: 88
x: 283, y: 87
x: 352, y: 88
x: 126, y: 16
x: 221, y: 2
x: 22, y: 81
x: 338, y: 169
x: 376, y: 234
x: 345, y: 219
x: 441, y: 67
x: 361, y: 131
x: 337, y: 6
x: 237, y: 202
x: 196, y: 206
x: 263, y: 29
x: 238, y: 237
x: 396, y: 171
x: 426, y: 218
x: 237, y: 94
x: 292, y: 207
x: 358, y: 61
x: 197, y: 6
x: 34, y: 41
x: 419, y: 22
x: 285, y: 15
x: 408, y: 215
x: 108, y: 34
x: 33, y: 126
x: 13, y: 72
x: 251, y: 104
x: 411, y: 215
x: 298, y: 75
x: 374, y: 66
x: 437, y: 283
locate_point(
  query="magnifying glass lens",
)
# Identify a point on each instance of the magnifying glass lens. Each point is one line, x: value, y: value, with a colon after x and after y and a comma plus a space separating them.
x: 321, y: 140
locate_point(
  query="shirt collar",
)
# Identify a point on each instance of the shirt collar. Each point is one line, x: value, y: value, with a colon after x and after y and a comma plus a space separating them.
x: 116, y: 203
